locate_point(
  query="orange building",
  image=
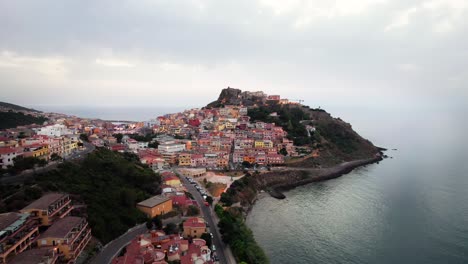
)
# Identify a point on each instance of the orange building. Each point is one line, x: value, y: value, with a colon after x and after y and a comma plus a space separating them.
x: 17, y: 233
x: 49, y: 208
x: 156, y: 205
x: 69, y: 236
x: 250, y: 159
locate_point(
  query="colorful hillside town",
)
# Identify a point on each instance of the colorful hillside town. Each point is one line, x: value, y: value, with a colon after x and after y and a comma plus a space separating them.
x: 215, y: 139
x: 45, y: 231
x: 192, y: 151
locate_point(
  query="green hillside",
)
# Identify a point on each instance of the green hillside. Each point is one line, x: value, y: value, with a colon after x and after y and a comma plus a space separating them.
x: 12, y: 119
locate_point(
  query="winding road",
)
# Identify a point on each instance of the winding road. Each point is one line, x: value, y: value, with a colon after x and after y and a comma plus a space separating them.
x: 223, y: 251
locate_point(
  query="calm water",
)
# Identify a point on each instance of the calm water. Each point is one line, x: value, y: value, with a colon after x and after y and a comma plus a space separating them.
x: 409, y: 209
x: 127, y: 113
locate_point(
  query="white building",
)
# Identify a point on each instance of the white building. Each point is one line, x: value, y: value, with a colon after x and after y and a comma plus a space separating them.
x: 142, y: 145
x: 171, y: 148
x: 243, y: 111
x: 7, y: 155
x: 56, y: 130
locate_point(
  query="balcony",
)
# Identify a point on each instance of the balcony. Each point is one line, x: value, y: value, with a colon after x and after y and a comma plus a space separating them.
x: 78, y: 233
x: 56, y: 208
x: 80, y: 243
x: 20, y: 240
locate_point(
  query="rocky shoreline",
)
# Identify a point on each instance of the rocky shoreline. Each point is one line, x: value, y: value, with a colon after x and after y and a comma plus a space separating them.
x: 317, y: 175
x: 314, y: 175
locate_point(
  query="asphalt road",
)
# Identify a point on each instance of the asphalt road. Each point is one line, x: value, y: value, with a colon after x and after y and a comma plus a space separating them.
x: 112, y: 249
x: 221, y: 248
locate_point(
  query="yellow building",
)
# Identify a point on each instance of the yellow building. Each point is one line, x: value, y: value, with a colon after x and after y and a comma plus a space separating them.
x: 259, y: 144
x: 185, y: 159
x: 154, y: 206
x: 194, y: 227
x: 172, y: 181
x: 49, y: 208
x: 268, y: 144
x: 230, y: 125
x: 38, y: 151
x: 17, y: 233
x: 69, y: 236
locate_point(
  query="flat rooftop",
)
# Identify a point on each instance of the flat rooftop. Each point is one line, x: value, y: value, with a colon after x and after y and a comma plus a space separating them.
x: 153, y: 201
x: 62, y: 227
x: 45, y: 201
x: 8, y: 219
x: 33, y: 256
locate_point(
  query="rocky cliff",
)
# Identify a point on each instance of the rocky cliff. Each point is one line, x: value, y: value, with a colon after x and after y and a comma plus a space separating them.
x: 233, y: 96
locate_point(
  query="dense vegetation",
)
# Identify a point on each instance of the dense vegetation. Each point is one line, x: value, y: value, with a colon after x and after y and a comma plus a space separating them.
x: 109, y: 183
x: 287, y: 117
x: 25, y: 163
x: 12, y: 119
x: 242, y: 190
x: 235, y: 232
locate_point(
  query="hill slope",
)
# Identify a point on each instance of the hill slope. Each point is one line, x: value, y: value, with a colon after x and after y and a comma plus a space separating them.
x: 335, y: 139
x: 12, y: 119
x: 14, y: 107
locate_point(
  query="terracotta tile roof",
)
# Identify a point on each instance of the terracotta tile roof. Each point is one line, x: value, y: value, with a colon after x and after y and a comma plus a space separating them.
x: 7, y: 150
x: 195, y: 222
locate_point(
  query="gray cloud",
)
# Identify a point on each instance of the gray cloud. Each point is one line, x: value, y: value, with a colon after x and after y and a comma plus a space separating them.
x: 151, y: 52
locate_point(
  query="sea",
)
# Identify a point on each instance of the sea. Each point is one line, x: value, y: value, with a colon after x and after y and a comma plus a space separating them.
x: 409, y: 208
x: 114, y: 113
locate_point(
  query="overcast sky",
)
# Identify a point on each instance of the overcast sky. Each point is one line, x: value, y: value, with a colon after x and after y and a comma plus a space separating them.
x: 182, y: 53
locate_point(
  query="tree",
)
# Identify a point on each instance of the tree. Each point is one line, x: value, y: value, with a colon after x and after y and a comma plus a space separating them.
x: 153, y: 144
x: 55, y: 157
x: 118, y: 137
x: 283, y: 152
x: 22, y: 135
x: 84, y: 137
x: 192, y: 210
x: 209, y: 199
x: 149, y: 224
x: 207, y: 238
x: 171, y: 228
x: 42, y: 162
x: 226, y: 199
x: 158, y: 222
